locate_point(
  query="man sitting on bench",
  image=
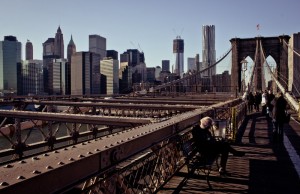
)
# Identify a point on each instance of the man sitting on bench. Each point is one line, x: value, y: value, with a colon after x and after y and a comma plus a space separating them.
x: 208, y: 145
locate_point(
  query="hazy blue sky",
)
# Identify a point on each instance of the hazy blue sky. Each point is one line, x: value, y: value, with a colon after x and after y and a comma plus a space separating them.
x: 149, y: 25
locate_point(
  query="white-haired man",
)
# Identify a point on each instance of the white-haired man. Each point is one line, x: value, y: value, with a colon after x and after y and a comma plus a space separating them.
x: 208, y: 145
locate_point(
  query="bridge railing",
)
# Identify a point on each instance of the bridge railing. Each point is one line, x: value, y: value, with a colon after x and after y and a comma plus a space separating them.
x: 130, y: 156
x: 149, y: 170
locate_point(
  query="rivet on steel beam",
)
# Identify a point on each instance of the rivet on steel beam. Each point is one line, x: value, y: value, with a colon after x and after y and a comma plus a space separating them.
x: 46, y: 154
x: 71, y: 159
x: 96, y: 139
x: 97, y: 150
x: 80, y: 156
x: 122, y: 140
x: 22, y: 162
x: 60, y: 163
x: 4, y: 184
x: 20, y: 177
x: 88, y: 142
x: 56, y: 151
x: 106, y: 146
x: 111, y: 144
x: 8, y: 166
x: 65, y: 149
x: 36, y: 172
x: 73, y: 146
x: 35, y: 158
x: 83, y: 143
x: 49, y: 167
x: 128, y: 138
x: 89, y: 153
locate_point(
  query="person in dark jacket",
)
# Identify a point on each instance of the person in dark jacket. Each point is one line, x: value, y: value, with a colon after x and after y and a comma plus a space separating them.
x: 208, y: 145
x: 251, y: 101
x: 279, y: 115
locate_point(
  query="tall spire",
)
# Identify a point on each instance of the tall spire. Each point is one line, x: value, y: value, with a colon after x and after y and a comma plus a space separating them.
x: 71, y: 41
x: 58, y: 29
x: 71, y: 49
x: 59, y: 44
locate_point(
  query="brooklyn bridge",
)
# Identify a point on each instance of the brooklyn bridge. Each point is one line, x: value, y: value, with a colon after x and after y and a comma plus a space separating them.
x: 133, y: 144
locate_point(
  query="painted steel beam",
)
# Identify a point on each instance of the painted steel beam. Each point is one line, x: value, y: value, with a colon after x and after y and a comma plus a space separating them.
x: 57, y: 170
x: 76, y: 118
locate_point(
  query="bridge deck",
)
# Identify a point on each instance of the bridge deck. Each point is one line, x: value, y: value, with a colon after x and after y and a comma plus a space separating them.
x: 266, y: 168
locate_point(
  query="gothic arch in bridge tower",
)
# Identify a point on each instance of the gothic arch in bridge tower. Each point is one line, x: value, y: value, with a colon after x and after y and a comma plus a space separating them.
x: 273, y: 46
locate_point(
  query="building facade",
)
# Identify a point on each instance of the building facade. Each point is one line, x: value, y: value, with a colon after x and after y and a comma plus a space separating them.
x: 165, y: 64
x: 109, y: 69
x: 59, y: 44
x: 71, y: 49
x: 191, y: 64
x: 32, y: 77
x: 10, y: 65
x: 97, y: 44
x: 29, y: 50
x: 178, y: 50
x: 208, y: 50
x: 85, y: 73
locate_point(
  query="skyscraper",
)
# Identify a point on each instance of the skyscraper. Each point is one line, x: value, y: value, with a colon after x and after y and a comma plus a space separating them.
x: 165, y: 64
x: 10, y: 64
x: 208, y: 50
x: 136, y: 61
x: 48, y: 56
x: 29, y: 50
x: 97, y: 44
x: 32, y: 77
x: 191, y: 64
x: 59, y: 44
x: 109, y: 68
x: 70, y: 51
x: 85, y: 73
x: 178, y: 50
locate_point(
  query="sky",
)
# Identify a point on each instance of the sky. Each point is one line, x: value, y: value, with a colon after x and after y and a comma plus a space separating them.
x: 147, y: 25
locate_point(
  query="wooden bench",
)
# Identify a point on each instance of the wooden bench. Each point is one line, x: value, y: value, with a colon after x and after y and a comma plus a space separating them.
x: 197, y: 162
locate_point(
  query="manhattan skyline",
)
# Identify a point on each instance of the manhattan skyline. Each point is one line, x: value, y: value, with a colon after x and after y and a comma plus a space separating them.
x: 149, y: 26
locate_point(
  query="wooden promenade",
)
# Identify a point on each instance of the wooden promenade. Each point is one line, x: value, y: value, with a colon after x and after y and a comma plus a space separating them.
x: 267, y: 167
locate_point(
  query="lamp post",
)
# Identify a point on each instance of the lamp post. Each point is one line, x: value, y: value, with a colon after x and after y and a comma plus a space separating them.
x: 244, y: 63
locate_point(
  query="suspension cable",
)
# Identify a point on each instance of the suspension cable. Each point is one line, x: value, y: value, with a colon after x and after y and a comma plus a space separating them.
x: 254, y: 67
x: 292, y: 101
x: 291, y: 48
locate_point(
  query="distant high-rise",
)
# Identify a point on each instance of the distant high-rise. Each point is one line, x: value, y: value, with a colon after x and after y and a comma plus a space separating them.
x: 59, y: 44
x: 136, y: 61
x: 71, y: 49
x: 48, y: 56
x: 109, y: 68
x: 191, y: 64
x: 208, y: 50
x: 29, y: 50
x: 97, y: 44
x: 178, y: 50
x: 32, y: 77
x: 10, y: 65
x: 112, y: 54
x: 85, y: 73
x: 165, y: 64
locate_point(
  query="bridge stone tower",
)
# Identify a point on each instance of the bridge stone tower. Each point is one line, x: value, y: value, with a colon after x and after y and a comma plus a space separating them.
x: 272, y: 46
